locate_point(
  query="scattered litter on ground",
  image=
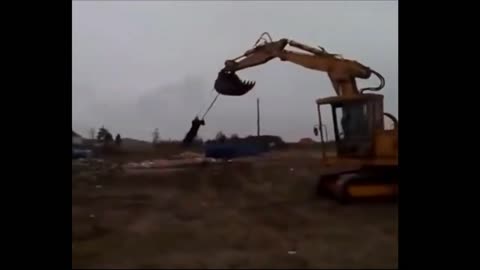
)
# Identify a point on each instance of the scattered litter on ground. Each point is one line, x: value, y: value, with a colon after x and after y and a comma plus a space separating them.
x: 188, y: 155
x: 152, y: 171
x: 168, y: 163
x: 92, y: 168
x: 256, y: 190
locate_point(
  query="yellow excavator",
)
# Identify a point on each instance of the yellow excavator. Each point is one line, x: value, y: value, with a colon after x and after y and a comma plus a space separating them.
x: 365, y: 165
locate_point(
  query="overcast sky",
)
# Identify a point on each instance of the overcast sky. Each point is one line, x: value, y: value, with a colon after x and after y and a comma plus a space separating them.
x: 139, y: 65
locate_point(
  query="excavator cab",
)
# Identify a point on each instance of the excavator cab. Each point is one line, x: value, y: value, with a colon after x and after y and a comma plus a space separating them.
x: 355, y: 122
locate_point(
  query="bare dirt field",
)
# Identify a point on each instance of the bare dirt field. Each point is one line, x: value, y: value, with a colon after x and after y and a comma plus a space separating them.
x: 258, y: 213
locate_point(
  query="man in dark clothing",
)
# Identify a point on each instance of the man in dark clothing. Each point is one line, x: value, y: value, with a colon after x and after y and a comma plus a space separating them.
x: 192, y: 133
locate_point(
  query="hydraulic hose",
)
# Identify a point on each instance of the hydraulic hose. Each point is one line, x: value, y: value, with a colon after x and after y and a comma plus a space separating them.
x: 379, y: 87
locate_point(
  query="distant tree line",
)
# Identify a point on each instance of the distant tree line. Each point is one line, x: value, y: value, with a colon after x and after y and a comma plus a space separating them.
x: 106, y: 138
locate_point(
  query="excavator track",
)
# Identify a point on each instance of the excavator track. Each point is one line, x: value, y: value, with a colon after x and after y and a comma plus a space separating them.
x: 365, y: 184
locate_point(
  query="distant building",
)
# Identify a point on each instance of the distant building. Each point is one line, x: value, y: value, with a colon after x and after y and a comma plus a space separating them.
x: 76, y: 139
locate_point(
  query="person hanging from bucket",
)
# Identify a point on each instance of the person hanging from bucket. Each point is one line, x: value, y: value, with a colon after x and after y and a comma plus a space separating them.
x: 196, y: 123
x: 192, y: 133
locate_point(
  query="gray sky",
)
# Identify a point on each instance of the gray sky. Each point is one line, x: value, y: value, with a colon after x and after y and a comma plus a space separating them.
x: 141, y: 65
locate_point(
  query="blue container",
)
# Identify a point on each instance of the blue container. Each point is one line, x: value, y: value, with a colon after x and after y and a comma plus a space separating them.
x: 81, y: 153
x: 233, y: 150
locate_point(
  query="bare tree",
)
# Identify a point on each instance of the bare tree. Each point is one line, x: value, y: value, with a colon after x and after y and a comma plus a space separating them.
x: 108, y: 138
x: 104, y: 136
x: 220, y: 137
x: 156, y: 136
x: 92, y: 133
x: 118, y: 140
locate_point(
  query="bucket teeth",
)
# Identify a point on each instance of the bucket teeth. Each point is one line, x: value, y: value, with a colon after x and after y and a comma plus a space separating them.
x: 249, y: 84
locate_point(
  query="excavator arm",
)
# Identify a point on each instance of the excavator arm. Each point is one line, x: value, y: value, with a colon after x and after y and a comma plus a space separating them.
x: 228, y: 83
x: 257, y: 56
x: 342, y: 72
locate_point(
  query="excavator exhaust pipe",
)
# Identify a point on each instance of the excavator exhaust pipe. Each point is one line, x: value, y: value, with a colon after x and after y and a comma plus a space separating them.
x: 229, y: 84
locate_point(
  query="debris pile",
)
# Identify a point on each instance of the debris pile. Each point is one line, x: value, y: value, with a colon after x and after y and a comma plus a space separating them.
x: 188, y: 155
x: 185, y: 159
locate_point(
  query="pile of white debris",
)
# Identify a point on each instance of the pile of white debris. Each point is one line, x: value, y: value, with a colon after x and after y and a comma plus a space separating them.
x: 185, y: 159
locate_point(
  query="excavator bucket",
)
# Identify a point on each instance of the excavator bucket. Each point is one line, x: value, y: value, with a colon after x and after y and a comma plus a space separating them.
x: 229, y: 84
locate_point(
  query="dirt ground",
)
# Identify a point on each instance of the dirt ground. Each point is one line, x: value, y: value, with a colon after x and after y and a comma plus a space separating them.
x: 246, y: 214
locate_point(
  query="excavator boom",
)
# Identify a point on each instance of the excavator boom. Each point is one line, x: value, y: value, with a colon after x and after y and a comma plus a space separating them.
x: 342, y: 72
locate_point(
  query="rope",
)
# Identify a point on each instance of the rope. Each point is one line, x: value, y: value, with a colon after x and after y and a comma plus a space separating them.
x: 204, y: 103
x: 209, y: 107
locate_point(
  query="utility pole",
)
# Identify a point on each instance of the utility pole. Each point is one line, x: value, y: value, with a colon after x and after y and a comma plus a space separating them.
x: 258, y: 117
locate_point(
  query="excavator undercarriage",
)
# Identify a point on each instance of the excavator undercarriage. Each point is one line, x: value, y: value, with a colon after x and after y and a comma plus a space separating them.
x: 369, y: 183
x: 365, y: 165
